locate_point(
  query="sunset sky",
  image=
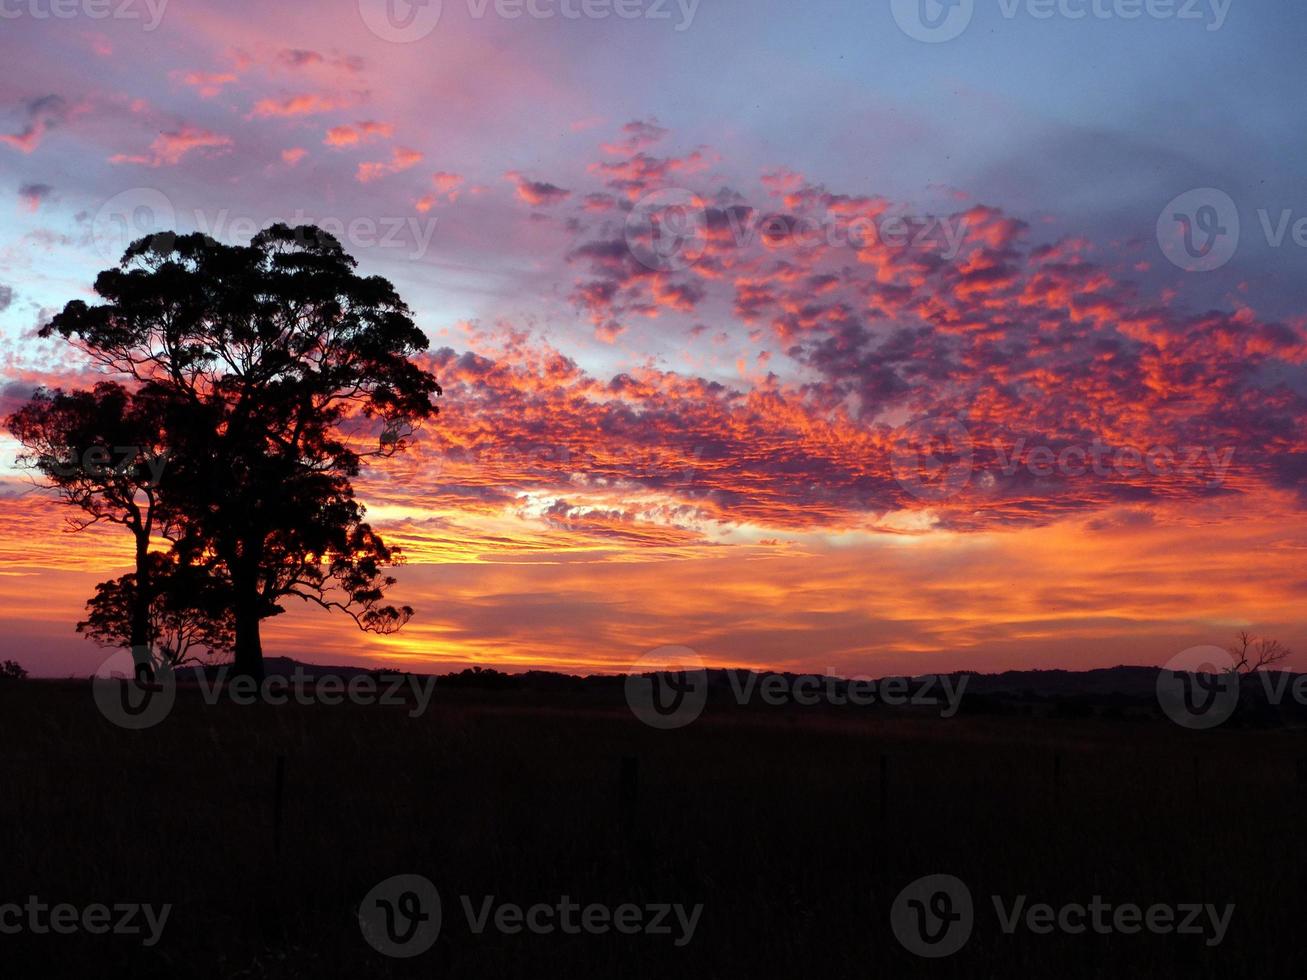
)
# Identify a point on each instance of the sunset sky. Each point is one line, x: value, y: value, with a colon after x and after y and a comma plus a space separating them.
x: 896, y: 251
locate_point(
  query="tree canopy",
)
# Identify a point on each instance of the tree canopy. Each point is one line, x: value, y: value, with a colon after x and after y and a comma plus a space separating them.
x: 258, y: 372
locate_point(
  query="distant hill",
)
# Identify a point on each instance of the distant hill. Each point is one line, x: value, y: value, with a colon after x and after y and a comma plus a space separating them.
x: 1133, y: 681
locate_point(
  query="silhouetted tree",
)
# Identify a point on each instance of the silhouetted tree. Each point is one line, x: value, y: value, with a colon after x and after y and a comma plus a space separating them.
x: 188, y: 610
x: 272, y: 359
x: 104, y: 451
x: 1252, y: 653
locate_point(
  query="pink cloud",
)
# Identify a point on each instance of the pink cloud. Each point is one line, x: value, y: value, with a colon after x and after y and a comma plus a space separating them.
x: 169, y: 148
x: 401, y: 159
x: 306, y: 104
x: 637, y: 135
x: 207, y: 84
x: 42, y: 115
x: 536, y: 192
x: 365, y: 131
x: 301, y: 58
x: 446, y: 189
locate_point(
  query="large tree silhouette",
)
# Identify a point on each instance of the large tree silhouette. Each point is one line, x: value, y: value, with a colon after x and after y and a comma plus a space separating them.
x: 269, y: 363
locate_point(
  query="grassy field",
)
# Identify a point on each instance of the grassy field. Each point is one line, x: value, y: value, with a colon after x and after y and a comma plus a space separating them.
x: 775, y: 819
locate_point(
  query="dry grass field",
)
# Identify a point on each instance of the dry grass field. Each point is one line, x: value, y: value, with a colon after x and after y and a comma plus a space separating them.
x: 776, y: 820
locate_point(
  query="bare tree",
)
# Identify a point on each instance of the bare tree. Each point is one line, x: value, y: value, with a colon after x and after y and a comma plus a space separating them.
x: 1252, y: 653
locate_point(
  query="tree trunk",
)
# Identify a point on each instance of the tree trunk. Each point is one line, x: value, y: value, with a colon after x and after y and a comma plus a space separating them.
x: 142, y: 641
x: 248, y: 661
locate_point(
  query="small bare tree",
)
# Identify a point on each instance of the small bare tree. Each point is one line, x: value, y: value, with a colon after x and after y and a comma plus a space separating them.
x: 1252, y: 653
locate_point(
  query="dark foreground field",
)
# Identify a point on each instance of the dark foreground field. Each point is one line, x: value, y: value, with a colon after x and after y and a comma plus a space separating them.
x: 775, y: 820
